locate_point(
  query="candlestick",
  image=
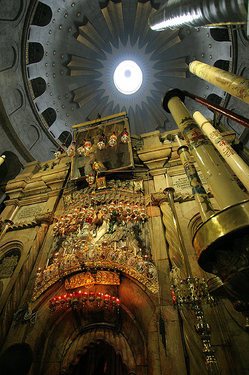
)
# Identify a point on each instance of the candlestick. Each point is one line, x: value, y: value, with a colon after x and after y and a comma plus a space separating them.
x: 13, y: 213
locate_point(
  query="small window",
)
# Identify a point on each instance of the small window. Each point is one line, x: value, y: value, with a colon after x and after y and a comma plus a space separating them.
x: 35, y: 52
x: 49, y: 116
x: 43, y: 15
x: 65, y: 138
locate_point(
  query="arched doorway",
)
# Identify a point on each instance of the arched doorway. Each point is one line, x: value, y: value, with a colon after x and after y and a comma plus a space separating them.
x: 98, y: 358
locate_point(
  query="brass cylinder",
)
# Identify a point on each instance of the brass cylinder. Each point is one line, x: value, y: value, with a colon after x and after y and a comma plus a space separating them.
x: 239, y: 167
x: 221, y: 182
x: 233, y: 84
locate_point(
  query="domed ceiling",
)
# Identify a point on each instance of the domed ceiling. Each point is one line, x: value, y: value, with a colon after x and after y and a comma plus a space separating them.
x: 74, y: 47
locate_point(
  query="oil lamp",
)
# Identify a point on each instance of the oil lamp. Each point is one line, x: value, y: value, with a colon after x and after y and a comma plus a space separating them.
x: 71, y: 150
x: 81, y: 150
x: 87, y: 147
x: 112, y: 140
x: 102, y: 142
x: 125, y: 136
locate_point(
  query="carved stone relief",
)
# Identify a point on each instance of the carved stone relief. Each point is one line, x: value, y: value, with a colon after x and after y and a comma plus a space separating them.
x: 28, y: 213
x: 8, y: 264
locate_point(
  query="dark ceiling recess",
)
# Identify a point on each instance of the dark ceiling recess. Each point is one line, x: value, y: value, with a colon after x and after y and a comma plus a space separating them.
x: 215, y: 99
x: 38, y: 86
x: 65, y: 138
x: 220, y: 34
x: 222, y: 64
x: 42, y: 16
x: 49, y: 115
x: 36, y: 53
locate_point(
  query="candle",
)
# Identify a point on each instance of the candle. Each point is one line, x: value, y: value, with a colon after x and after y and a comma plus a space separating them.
x: 178, y: 141
x: 168, y: 183
x: 13, y: 213
x: 2, y: 159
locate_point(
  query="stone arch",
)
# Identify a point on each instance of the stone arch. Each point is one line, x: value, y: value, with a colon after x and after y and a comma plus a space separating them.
x: 107, y: 335
x: 8, y: 264
x: 102, y: 356
x: 11, y: 290
x: 69, y: 329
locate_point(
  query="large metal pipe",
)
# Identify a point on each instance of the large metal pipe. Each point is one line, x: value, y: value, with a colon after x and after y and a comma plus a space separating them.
x: 239, y: 167
x: 177, y: 13
x: 232, y: 83
x: 216, y: 108
x: 222, y: 184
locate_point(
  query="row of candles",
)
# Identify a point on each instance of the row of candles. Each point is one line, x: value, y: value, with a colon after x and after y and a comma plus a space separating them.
x: 85, y: 147
x: 80, y: 299
x: 125, y: 211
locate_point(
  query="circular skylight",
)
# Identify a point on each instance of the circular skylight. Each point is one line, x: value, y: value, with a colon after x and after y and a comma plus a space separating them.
x: 128, y: 77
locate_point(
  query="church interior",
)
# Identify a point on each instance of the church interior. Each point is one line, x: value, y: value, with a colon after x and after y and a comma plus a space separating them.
x: 124, y: 187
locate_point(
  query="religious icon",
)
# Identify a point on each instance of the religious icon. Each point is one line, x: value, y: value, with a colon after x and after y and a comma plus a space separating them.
x: 101, y: 183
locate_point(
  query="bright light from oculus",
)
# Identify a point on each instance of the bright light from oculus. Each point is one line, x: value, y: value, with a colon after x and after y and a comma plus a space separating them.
x: 128, y: 77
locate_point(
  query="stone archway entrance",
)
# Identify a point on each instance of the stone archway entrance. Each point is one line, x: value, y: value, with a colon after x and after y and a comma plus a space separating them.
x: 98, y: 358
